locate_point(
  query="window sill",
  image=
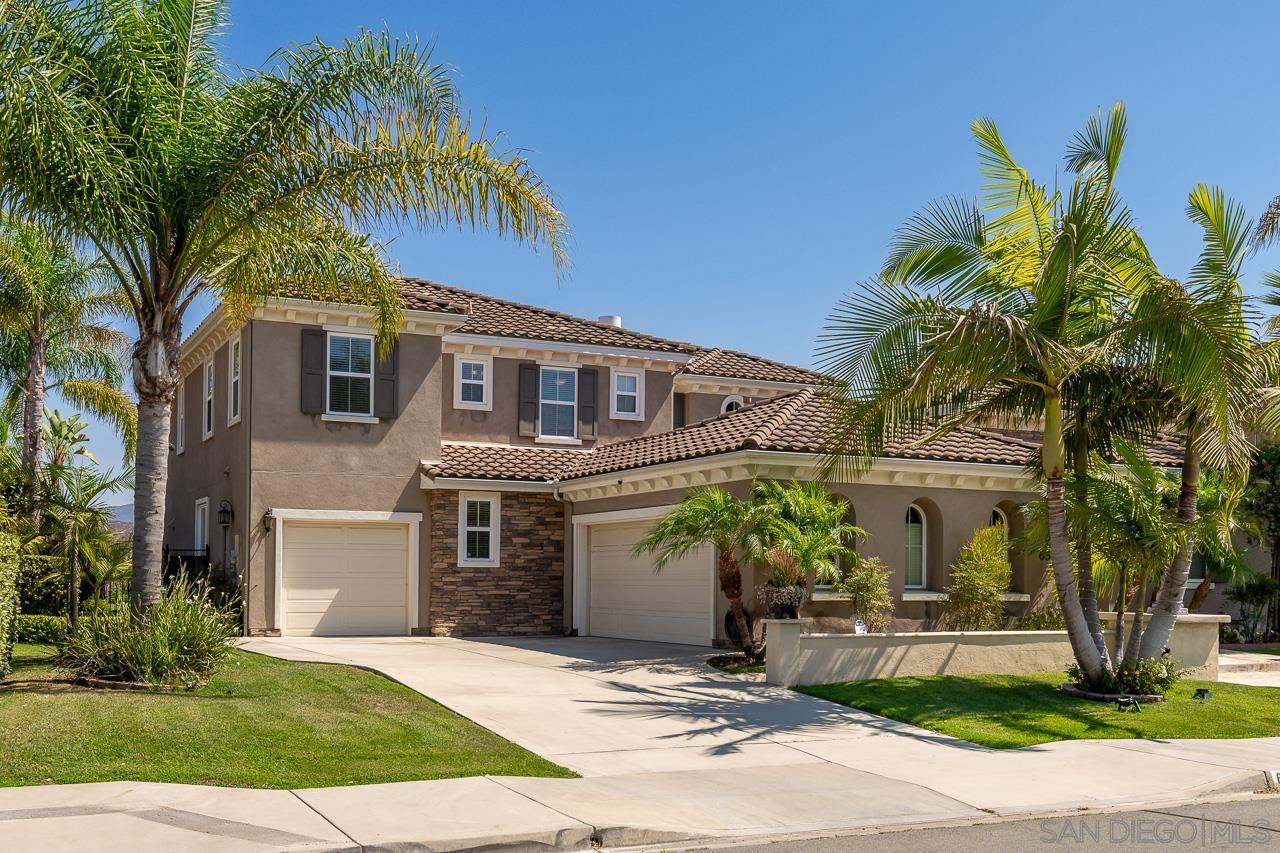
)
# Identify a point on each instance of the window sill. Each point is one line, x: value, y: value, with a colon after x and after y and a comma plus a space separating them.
x: 479, y: 564
x: 626, y: 416
x: 923, y: 595
x: 1016, y: 596
x: 557, y: 439
x: 1192, y: 583
x: 233, y: 422
x: 351, y: 419
x: 473, y: 407
x: 206, y: 437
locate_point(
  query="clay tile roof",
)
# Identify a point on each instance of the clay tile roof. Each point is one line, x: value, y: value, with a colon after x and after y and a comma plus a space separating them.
x: 532, y: 464
x: 488, y: 315
x: 1166, y: 451
x: 741, y: 365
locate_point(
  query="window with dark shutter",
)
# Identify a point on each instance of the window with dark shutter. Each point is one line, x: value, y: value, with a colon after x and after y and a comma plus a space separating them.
x: 528, y: 413
x: 587, y: 380
x: 313, y: 376
x: 385, y: 399
x: 677, y: 410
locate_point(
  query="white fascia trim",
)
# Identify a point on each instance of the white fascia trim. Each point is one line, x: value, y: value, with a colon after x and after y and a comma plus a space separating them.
x: 643, y: 513
x: 495, y: 529
x: 531, y: 347
x: 459, y: 442
x: 477, y: 484
x: 412, y: 519
x: 690, y: 383
x: 614, y: 373
x: 415, y: 322
x: 458, y: 402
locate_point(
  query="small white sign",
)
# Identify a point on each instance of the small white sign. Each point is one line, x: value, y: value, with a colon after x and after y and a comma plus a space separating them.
x: 859, y: 627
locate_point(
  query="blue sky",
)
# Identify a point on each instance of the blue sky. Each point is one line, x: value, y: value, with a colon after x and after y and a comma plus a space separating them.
x: 729, y: 169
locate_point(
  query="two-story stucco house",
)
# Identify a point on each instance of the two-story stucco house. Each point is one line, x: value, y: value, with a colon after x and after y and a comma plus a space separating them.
x: 492, y: 475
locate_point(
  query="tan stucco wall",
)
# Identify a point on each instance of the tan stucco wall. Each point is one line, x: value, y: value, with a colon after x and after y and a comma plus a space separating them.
x: 796, y: 658
x: 501, y: 425
x: 300, y: 461
x: 216, y: 468
x: 1194, y: 643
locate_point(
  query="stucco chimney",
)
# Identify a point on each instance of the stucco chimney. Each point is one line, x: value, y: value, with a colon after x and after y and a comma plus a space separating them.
x: 610, y: 320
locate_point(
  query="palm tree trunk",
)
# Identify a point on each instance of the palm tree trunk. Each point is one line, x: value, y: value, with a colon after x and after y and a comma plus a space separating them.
x: 1198, y: 597
x: 1136, y: 632
x: 73, y: 591
x: 1122, y: 586
x: 1173, y: 585
x: 730, y: 577
x: 1084, y: 547
x: 1078, y: 632
x: 155, y: 378
x: 33, y: 389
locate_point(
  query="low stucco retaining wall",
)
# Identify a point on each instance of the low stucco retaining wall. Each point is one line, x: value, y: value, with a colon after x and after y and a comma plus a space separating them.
x: 798, y: 658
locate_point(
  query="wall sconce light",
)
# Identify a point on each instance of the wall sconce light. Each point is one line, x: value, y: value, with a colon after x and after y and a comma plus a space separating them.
x: 268, y: 520
x: 225, y: 514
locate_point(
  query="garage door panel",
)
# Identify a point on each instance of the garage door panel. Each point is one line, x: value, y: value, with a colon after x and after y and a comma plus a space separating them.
x: 345, y: 579
x: 628, y: 599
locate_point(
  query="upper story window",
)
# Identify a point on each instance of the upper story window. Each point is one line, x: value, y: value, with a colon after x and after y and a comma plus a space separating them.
x: 915, y: 548
x: 731, y: 403
x: 473, y: 382
x: 180, y: 417
x: 233, y: 381
x: 627, y: 400
x: 207, y: 415
x: 479, y: 536
x: 558, y: 402
x: 350, y: 379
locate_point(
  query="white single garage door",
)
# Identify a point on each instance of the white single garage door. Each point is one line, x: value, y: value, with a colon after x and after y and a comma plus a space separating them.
x: 628, y: 600
x: 345, y: 578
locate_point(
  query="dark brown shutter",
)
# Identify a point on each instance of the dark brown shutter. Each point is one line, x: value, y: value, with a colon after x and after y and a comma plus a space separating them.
x: 313, y: 371
x: 385, y: 403
x: 529, y: 399
x: 587, y: 403
x: 677, y: 410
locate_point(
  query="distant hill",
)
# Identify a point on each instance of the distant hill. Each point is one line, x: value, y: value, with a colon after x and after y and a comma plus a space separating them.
x: 121, y: 514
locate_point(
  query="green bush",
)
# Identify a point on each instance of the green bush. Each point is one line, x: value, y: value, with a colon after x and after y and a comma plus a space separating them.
x: 867, y: 585
x: 180, y: 642
x: 1150, y: 676
x: 1048, y: 618
x: 42, y: 587
x: 8, y: 600
x: 980, y: 575
x: 42, y: 630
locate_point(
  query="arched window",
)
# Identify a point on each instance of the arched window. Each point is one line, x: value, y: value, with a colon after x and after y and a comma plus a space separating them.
x: 731, y: 403
x: 915, y: 548
x: 999, y: 519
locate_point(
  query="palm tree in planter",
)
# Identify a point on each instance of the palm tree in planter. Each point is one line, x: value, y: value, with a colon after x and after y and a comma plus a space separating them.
x: 987, y: 312
x: 711, y: 516
x: 121, y: 124
x: 803, y: 532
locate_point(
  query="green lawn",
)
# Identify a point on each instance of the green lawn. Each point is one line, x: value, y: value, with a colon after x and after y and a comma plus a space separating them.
x: 260, y: 722
x: 1007, y: 711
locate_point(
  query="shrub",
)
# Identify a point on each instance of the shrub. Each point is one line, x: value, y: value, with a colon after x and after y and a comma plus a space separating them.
x: 42, y: 587
x: 980, y: 575
x: 1150, y: 676
x: 42, y: 630
x: 1048, y: 618
x: 180, y: 642
x: 1255, y: 596
x: 1229, y: 634
x: 867, y: 585
x: 8, y: 600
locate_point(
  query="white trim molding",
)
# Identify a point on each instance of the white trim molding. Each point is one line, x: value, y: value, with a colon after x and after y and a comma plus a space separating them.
x: 412, y: 519
x: 693, y: 383
x: 494, y: 529
x: 235, y: 379
x: 476, y: 484
x: 208, y: 393
x: 752, y: 464
x: 730, y: 401
x: 635, y: 373
x: 582, y: 525
x: 486, y: 383
x: 526, y: 349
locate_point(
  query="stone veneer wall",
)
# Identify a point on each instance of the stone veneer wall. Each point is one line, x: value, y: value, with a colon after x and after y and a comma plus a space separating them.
x: 524, y: 595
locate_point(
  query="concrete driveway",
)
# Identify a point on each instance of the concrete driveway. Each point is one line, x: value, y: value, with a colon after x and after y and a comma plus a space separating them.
x: 652, y: 723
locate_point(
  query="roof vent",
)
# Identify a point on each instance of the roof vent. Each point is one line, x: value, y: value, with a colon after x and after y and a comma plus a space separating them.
x: 610, y: 320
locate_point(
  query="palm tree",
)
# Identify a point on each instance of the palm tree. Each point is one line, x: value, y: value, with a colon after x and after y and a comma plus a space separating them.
x: 987, y: 313
x: 803, y: 530
x: 710, y: 516
x: 55, y: 334
x: 1219, y: 520
x: 122, y: 124
x: 1198, y: 338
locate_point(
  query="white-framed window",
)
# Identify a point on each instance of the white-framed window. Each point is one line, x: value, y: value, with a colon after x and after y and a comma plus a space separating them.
x: 558, y: 402
x: 999, y: 519
x: 349, y: 383
x: 732, y: 403
x: 473, y: 382
x: 200, y: 529
x: 626, y: 397
x: 916, y: 547
x: 207, y: 413
x: 1197, y: 573
x: 180, y: 417
x: 233, y: 381
x: 479, y: 528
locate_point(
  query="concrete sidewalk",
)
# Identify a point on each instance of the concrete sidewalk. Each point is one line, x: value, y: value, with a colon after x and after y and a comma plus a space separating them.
x: 668, y: 749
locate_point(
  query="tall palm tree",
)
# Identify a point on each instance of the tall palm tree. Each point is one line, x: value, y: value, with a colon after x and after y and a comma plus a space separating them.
x: 710, y: 516
x: 803, y: 529
x: 56, y: 308
x: 1198, y: 337
x: 986, y: 312
x: 120, y: 122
